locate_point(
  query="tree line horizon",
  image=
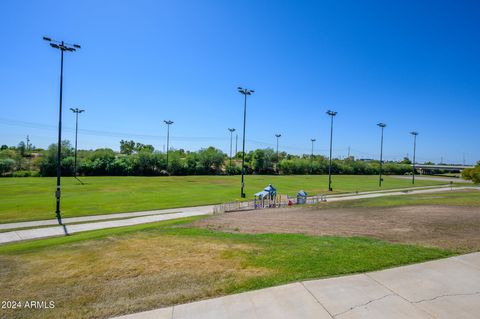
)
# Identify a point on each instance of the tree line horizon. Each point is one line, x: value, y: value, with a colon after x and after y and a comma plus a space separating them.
x: 137, y: 159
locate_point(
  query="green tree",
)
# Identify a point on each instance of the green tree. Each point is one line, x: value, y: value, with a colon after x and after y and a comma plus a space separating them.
x: 472, y: 174
x: 127, y: 147
x: 6, y: 165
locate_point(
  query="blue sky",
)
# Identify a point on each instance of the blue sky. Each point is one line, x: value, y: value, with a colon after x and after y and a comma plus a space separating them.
x: 411, y: 64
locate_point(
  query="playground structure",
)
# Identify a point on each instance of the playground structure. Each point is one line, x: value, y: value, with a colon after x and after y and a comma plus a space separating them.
x: 268, y: 198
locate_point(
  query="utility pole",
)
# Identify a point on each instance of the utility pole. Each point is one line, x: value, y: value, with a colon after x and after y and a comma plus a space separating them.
x: 62, y: 46
x: 414, y: 153
x: 76, y: 111
x: 168, y: 137
x: 245, y: 92
x: 231, y: 136
x: 332, y: 115
x: 380, y: 179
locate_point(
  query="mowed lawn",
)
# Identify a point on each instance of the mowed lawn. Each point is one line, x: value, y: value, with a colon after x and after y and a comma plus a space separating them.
x: 23, y: 199
x: 109, y: 272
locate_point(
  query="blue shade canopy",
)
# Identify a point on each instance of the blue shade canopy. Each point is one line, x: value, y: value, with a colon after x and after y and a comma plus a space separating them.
x: 267, y: 191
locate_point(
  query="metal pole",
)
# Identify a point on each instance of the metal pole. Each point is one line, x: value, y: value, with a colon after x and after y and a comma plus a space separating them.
x: 76, y: 138
x: 381, y: 161
x: 59, y: 145
x: 414, y: 154
x: 231, y: 140
x: 62, y: 46
x: 380, y: 180
x: 242, y: 194
x: 332, y: 114
x: 168, y: 141
x: 277, y: 148
x: 236, y: 144
x: 311, y: 156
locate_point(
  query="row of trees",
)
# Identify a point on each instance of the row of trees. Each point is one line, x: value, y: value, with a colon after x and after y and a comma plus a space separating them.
x: 18, y: 160
x: 140, y: 159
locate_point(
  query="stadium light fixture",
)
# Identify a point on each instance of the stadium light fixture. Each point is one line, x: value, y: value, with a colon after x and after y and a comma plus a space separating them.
x: 245, y: 92
x: 168, y: 137
x: 231, y: 142
x: 415, y: 134
x: 380, y: 179
x: 332, y: 114
x: 62, y: 46
x: 76, y: 111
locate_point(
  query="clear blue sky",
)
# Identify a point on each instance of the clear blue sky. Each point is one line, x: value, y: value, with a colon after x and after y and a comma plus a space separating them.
x: 412, y: 64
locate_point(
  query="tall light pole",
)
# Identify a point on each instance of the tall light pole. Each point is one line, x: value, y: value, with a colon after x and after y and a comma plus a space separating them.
x: 76, y: 111
x: 313, y: 141
x: 414, y: 153
x: 311, y: 155
x: 231, y: 142
x: 62, y: 46
x: 380, y: 179
x: 168, y: 137
x: 278, y: 137
x: 332, y: 115
x: 245, y: 92
x: 236, y: 144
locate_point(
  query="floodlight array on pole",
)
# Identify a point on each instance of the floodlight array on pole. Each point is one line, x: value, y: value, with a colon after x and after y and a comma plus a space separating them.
x: 380, y: 179
x: 168, y: 136
x: 414, y: 153
x: 332, y: 115
x: 231, y: 142
x: 62, y: 46
x: 245, y: 92
x: 76, y: 111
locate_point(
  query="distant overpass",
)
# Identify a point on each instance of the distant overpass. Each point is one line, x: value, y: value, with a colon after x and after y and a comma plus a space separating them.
x: 425, y: 167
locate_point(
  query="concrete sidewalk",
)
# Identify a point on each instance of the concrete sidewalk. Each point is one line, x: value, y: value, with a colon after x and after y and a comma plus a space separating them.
x: 441, y: 289
x: 69, y: 220
x: 45, y: 232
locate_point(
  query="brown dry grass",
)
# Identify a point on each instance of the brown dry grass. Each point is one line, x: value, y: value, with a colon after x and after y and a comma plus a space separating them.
x: 450, y: 227
x: 122, y: 275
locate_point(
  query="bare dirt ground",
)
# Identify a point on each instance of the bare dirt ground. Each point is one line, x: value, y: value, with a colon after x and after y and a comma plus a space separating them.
x: 450, y: 227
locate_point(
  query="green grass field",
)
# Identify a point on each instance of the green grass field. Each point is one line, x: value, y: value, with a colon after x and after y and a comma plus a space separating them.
x: 25, y: 199
x: 116, y: 271
x: 469, y: 198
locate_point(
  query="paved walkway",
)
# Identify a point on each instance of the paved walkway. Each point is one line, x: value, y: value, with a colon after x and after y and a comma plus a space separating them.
x: 44, y: 232
x: 434, y: 178
x: 82, y: 219
x: 441, y: 289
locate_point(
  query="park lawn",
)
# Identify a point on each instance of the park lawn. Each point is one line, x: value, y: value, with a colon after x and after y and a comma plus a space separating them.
x: 469, y: 198
x: 117, y: 271
x: 23, y: 199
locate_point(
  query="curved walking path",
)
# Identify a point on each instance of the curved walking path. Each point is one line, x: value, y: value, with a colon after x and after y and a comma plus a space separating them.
x: 441, y: 289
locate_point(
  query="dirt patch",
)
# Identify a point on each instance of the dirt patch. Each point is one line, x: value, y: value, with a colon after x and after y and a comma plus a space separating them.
x: 451, y: 227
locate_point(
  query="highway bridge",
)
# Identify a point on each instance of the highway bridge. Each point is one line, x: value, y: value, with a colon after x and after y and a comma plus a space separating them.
x: 424, y: 168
